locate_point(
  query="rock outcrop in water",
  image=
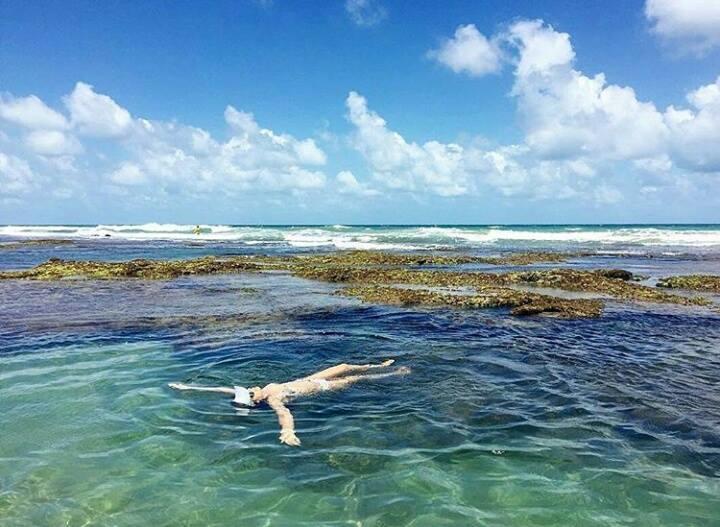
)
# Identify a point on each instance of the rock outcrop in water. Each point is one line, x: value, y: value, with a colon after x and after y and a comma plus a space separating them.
x: 395, y: 279
x: 521, y: 302
x: 694, y: 282
x: 377, y: 258
x: 56, y: 269
x: 42, y: 242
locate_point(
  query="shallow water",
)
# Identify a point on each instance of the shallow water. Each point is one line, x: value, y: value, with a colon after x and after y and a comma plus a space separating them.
x: 503, y: 421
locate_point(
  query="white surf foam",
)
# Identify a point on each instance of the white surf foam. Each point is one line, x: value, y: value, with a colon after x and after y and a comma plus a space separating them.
x: 409, y: 238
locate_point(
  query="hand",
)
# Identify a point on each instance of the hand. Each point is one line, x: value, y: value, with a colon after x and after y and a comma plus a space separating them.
x: 178, y: 385
x: 289, y: 438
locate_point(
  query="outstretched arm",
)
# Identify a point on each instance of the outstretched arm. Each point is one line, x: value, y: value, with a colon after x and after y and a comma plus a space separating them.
x: 219, y: 389
x: 287, y: 424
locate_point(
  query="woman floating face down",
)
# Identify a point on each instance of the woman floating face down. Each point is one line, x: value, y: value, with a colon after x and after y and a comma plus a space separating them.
x: 277, y: 394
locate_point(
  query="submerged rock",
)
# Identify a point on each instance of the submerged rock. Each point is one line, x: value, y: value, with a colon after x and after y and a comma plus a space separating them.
x: 695, y: 282
x: 42, y: 242
x: 375, y: 277
x: 377, y: 258
x: 613, y: 282
x: 528, y: 258
x: 522, y: 303
x: 56, y: 269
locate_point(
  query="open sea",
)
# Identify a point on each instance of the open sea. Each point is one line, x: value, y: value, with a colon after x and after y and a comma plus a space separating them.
x: 504, y: 421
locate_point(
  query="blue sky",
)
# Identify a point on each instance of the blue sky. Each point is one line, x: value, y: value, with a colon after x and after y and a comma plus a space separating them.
x: 359, y: 111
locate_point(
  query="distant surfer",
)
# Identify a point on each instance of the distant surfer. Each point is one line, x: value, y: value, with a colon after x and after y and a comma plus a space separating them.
x: 197, y: 230
x: 277, y: 394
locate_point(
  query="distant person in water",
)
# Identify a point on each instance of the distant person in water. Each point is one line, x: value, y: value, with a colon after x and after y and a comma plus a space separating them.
x: 276, y: 395
x: 197, y: 229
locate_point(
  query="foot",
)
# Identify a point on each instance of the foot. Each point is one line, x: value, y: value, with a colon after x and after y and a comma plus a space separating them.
x: 387, y: 363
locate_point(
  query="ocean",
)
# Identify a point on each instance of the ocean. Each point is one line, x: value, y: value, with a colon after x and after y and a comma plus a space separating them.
x: 503, y: 421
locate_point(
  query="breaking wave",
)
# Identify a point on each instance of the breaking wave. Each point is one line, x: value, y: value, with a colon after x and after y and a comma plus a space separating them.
x: 390, y: 237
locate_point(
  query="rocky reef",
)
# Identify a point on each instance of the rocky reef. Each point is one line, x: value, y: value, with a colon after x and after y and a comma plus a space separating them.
x: 377, y: 258
x: 695, y: 282
x: 56, y: 269
x: 521, y: 302
x: 613, y: 282
x: 399, y: 279
x: 42, y: 242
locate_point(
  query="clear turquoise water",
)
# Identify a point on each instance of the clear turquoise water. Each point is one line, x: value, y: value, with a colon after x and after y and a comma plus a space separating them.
x: 503, y: 421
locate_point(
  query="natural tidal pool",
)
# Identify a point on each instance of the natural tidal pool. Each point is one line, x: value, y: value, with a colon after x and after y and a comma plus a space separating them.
x: 503, y: 420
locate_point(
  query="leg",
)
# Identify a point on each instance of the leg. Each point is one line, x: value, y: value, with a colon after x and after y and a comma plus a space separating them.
x: 218, y: 389
x: 339, y: 384
x: 344, y: 369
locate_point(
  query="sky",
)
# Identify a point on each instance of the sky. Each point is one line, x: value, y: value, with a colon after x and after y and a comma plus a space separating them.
x: 360, y: 111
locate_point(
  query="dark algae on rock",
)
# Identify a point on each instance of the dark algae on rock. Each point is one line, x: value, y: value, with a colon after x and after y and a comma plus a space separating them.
x: 694, y: 282
x: 521, y: 302
x: 41, y: 242
x: 56, y: 269
x: 399, y: 279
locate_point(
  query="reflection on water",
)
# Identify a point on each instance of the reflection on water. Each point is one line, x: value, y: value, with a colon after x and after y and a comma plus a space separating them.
x: 503, y: 421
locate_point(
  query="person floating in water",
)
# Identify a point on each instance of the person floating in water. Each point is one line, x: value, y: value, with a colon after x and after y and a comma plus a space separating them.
x: 277, y: 394
x: 197, y: 229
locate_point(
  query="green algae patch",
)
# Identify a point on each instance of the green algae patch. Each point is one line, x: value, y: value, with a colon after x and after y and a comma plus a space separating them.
x: 42, y: 242
x: 613, y: 282
x: 520, y: 302
x: 384, y: 277
x: 529, y: 258
x: 56, y: 269
x: 378, y: 258
x: 695, y: 282
x: 616, y: 283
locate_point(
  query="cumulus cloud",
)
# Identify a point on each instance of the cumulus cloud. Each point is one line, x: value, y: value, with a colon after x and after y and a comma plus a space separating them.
x: 695, y: 132
x: 52, y: 143
x: 161, y: 157
x: 95, y: 114
x: 16, y: 176
x: 579, y: 130
x: 468, y: 51
x: 32, y: 113
x: 348, y: 184
x: 566, y: 113
x: 449, y: 169
x: 694, y: 24
x: 401, y: 164
x: 251, y: 159
x: 128, y: 174
x: 365, y: 13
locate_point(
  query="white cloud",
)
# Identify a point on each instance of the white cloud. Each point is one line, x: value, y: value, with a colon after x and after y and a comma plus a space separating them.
x: 694, y: 24
x: 128, y: 174
x: 96, y: 115
x: 400, y: 164
x: 348, y: 184
x: 469, y: 51
x: 566, y: 113
x: 164, y: 158
x: 365, y: 13
x: 16, y: 177
x: 541, y: 47
x: 449, y: 169
x: 241, y: 121
x: 31, y: 112
x: 605, y: 195
x: 254, y: 158
x: 52, y: 143
x: 696, y: 132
